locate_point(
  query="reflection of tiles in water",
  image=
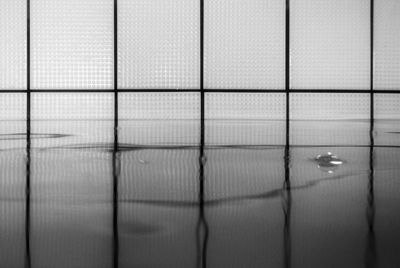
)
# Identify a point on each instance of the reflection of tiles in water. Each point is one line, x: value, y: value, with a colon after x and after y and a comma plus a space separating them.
x: 74, y: 131
x: 235, y: 172
x: 328, y: 220
x: 168, y: 233
x: 333, y: 132
x: 158, y: 174
x: 243, y: 209
x: 387, y: 132
x: 238, y: 132
x: 71, y: 208
x: 387, y: 205
x: 71, y: 205
x: 160, y: 132
x: 12, y: 127
x: 12, y: 209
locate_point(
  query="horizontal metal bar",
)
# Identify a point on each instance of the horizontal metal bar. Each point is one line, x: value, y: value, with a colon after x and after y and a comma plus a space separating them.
x: 293, y: 91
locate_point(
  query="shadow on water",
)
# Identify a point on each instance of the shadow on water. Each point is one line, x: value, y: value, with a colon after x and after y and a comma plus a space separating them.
x: 276, y: 193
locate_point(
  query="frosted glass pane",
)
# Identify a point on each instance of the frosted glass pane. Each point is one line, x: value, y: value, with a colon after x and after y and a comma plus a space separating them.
x: 159, y: 118
x: 330, y: 44
x: 329, y: 119
x: 244, y: 44
x: 387, y: 119
x: 72, y: 119
x: 158, y: 44
x: 72, y: 44
x: 13, y: 44
x: 245, y: 119
x: 387, y: 44
x: 12, y: 106
x: 12, y: 122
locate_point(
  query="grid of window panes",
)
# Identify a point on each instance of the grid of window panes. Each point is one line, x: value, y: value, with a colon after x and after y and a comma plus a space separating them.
x: 190, y: 74
x: 229, y: 58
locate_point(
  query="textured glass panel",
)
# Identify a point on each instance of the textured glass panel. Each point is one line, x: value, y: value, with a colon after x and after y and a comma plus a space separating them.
x: 72, y: 44
x: 158, y: 207
x: 387, y: 44
x: 13, y: 44
x: 71, y: 174
x: 327, y: 119
x: 387, y: 119
x: 244, y: 44
x: 245, y: 119
x: 12, y: 121
x: 387, y: 205
x: 243, y: 207
x: 159, y: 118
x: 330, y: 44
x: 158, y: 44
x: 328, y: 215
x: 72, y: 120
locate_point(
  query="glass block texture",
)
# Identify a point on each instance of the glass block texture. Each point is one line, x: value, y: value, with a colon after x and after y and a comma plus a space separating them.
x: 159, y: 44
x: 72, y: 44
x: 13, y: 44
x: 387, y: 44
x: 329, y: 118
x: 159, y: 118
x: 13, y: 122
x: 330, y: 44
x: 387, y: 119
x: 77, y: 120
x: 245, y: 118
x: 244, y: 45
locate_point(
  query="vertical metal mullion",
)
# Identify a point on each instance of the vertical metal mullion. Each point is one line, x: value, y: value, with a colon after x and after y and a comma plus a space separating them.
x: 287, y: 204
x: 287, y: 68
x: 202, y: 226
x: 115, y: 157
x: 372, y: 71
x: 28, y: 139
x: 370, y: 252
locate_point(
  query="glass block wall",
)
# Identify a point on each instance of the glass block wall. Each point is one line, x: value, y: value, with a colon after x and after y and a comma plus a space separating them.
x: 119, y: 75
x: 255, y: 64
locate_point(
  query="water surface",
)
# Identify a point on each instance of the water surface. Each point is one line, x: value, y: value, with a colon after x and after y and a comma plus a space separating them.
x: 164, y: 200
